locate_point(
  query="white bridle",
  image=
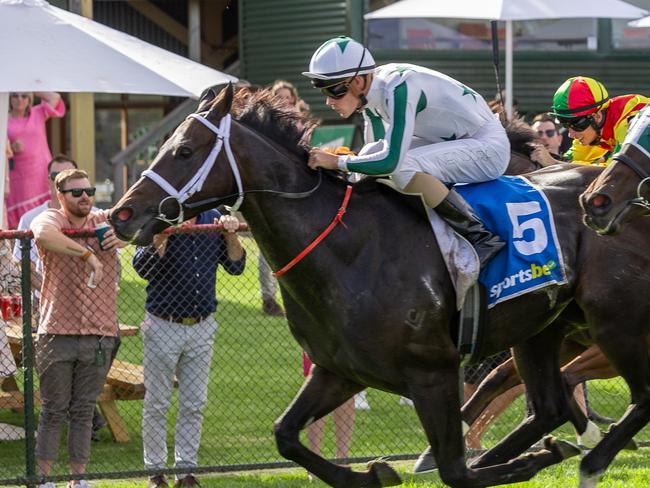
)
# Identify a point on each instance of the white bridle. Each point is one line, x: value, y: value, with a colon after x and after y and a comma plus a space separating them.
x: 196, y: 182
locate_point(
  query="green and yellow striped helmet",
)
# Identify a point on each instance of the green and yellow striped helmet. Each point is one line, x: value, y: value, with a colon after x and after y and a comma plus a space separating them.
x: 577, y: 97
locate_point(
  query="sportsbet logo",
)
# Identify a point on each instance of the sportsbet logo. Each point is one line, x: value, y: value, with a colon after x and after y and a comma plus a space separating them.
x: 523, y: 276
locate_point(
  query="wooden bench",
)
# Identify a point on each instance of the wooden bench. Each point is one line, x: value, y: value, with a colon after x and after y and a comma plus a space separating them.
x: 125, y: 381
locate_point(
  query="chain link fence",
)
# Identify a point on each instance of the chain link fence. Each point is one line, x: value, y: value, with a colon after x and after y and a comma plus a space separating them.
x: 217, y: 381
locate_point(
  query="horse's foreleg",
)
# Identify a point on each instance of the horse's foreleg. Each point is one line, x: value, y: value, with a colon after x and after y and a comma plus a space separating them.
x: 629, y: 355
x: 321, y: 393
x: 497, y: 382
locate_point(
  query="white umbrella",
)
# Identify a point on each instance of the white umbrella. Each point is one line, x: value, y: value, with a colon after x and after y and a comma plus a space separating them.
x: 644, y: 22
x: 508, y: 11
x: 51, y: 49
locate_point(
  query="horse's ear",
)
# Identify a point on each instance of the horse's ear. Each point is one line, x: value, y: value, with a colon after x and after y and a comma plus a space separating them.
x: 224, y: 101
x: 206, y: 97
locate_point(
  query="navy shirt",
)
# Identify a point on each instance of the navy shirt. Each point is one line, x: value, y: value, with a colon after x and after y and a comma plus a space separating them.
x: 182, y: 281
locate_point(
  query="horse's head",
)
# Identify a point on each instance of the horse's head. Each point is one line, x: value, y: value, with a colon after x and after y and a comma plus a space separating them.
x: 177, y: 177
x: 619, y: 194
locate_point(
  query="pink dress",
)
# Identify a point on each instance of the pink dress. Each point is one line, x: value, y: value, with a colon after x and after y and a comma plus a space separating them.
x: 28, y: 178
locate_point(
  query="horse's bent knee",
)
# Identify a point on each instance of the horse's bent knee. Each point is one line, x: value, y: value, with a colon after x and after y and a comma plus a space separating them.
x: 286, y: 439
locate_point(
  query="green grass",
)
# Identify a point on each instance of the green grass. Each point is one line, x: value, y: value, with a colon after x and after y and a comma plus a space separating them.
x: 256, y: 370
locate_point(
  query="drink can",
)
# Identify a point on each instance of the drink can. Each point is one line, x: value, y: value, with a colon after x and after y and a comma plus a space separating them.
x: 100, y: 230
x: 17, y: 305
x: 6, y: 308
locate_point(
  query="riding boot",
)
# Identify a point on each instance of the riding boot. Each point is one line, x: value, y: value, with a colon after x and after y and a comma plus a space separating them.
x: 462, y: 218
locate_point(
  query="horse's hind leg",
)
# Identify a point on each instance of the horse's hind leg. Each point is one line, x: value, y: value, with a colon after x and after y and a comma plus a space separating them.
x: 552, y: 405
x: 629, y: 354
x: 435, y: 396
x: 321, y: 394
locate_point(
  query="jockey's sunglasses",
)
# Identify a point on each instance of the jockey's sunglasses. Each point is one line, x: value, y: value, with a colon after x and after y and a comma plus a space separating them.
x: 337, y: 90
x: 577, y: 124
x: 77, y: 192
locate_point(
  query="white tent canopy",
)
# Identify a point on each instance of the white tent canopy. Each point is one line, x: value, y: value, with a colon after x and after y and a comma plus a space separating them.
x: 50, y: 49
x: 508, y: 11
x: 644, y: 22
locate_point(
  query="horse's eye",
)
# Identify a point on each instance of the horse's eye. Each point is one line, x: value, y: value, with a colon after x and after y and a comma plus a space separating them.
x: 184, y: 152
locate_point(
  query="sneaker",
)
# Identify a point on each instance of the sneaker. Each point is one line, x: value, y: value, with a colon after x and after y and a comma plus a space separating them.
x: 49, y: 484
x: 407, y: 402
x: 78, y: 484
x: 361, y: 401
x: 189, y: 480
x: 158, y: 481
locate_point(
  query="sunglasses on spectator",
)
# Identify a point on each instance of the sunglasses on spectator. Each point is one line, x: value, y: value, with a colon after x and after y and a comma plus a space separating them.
x: 77, y: 192
x: 53, y: 175
x: 20, y: 95
x: 336, y: 91
x: 577, y: 124
x: 547, y: 132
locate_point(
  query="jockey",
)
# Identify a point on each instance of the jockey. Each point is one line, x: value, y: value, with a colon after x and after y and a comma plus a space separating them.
x: 423, y: 128
x: 596, y: 122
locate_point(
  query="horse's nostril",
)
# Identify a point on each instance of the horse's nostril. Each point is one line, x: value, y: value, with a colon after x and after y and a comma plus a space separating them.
x: 124, y: 214
x: 599, y: 201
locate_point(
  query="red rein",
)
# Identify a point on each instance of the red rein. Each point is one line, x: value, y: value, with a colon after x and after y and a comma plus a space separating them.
x: 337, y: 219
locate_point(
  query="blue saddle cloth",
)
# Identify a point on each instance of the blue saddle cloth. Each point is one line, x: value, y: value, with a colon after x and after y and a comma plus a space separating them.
x: 518, y: 212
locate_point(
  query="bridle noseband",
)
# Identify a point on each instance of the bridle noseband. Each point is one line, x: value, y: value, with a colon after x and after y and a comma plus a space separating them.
x: 196, y: 182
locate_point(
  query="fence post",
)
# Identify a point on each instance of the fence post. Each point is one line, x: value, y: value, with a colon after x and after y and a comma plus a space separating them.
x: 28, y: 361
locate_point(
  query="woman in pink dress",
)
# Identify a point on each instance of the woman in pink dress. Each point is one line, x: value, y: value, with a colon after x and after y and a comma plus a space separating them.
x: 26, y: 130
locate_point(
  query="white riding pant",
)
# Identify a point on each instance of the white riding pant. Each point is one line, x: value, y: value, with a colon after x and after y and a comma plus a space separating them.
x: 482, y: 157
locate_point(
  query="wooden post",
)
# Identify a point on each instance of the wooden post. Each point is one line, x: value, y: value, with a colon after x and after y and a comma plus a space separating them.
x: 82, y: 112
x: 194, y: 30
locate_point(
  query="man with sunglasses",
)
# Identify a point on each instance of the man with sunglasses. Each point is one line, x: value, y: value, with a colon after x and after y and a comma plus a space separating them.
x: 423, y: 128
x: 596, y: 122
x: 78, y: 329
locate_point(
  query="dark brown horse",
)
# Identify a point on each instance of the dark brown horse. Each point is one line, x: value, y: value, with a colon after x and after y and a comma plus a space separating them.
x: 620, y: 193
x: 373, y: 304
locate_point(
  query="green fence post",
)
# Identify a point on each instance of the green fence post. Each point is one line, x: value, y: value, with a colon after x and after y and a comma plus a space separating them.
x: 28, y: 362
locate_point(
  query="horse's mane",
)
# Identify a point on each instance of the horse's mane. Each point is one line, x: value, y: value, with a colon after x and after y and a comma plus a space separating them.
x: 521, y: 136
x: 266, y: 114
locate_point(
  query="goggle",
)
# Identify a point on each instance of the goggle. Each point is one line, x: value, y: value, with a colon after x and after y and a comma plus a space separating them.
x: 577, y: 124
x: 53, y: 175
x: 546, y: 132
x: 336, y: 91
x: 77, y: 192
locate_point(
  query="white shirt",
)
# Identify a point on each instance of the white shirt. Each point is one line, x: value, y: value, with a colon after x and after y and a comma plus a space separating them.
x: 406, y: 101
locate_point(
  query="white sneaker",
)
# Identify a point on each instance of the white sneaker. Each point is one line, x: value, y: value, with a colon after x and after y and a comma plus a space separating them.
x: 79, y: 484
x: 407, y: 402
x: 49, y: 484
x: 361, y: 401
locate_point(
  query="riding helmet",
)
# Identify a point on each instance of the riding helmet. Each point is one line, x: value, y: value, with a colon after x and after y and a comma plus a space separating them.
x: 339, y: 58
x: 578, y: 96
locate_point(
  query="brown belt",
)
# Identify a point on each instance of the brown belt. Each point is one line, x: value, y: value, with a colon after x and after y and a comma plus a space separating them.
x: 181, y: 320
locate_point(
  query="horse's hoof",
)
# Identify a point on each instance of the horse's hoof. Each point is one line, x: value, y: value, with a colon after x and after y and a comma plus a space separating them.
x: 589, y: 480
x: 564, y: 449
x: 383, y: 472
x: 426, y: 463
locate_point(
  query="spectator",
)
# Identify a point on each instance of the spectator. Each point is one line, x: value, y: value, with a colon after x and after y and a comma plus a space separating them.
x: 550, y: 136
x: 178, y: 334
x: 343, y: 418
x: 26, y: 131
x: 54, y: 167
x: 78, y: 327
